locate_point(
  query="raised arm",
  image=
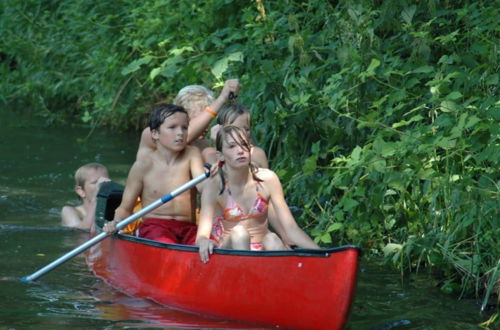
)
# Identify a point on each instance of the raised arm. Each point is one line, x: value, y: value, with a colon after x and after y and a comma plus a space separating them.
x: 200, y: 123
x: 293, y: 232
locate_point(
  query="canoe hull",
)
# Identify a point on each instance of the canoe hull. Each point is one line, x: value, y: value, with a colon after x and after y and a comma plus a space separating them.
x: 301, y: 289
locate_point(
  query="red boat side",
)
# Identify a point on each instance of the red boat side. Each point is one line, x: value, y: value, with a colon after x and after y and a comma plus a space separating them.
x: 301, y: 289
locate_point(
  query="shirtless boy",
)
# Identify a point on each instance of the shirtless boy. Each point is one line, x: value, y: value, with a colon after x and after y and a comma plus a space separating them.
x: 170, y: 165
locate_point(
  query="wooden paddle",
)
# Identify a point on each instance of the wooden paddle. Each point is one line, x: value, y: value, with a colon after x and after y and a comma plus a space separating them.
x: 122, y: 224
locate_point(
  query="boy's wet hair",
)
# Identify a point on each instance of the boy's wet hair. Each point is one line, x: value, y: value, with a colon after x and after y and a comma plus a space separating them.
x: 229, y: 113
x: 241, y: 138
x: 163, y: 111
x: 193, y: 97
x: 82, y: 172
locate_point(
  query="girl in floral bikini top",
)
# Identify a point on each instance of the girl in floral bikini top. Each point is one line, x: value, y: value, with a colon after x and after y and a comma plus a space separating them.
x: 242, y: 193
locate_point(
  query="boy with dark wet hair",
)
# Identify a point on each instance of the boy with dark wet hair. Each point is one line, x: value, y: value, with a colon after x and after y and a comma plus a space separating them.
x: 159, y: 171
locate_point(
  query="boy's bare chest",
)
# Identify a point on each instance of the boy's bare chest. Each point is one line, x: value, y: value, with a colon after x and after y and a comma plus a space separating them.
x: 162, y: 179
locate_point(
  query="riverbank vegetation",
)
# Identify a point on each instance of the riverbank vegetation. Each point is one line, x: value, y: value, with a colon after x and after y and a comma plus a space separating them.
x: 381, y: 117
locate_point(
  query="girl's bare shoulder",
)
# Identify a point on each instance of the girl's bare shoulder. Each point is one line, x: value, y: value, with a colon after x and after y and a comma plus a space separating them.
x: 259, y: 157
x: 266, y: 174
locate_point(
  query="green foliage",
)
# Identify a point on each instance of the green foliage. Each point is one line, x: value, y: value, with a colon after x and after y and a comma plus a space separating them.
x: 383, y: 113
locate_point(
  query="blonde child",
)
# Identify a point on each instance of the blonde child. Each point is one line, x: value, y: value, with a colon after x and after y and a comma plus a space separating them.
x: 88, y: 179
x: 201, y: 107
x: 242, y: 193
x: 158, y: 172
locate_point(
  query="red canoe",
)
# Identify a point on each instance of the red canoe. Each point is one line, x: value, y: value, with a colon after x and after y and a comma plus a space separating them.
x: 300, y: 289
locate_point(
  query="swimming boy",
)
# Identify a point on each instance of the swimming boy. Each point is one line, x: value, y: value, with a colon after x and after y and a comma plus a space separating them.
x: 170, y: 165
x: 87, y: 181
x: 201, y: 107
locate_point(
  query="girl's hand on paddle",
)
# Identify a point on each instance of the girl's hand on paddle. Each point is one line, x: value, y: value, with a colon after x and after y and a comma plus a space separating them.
x: 206, y: 248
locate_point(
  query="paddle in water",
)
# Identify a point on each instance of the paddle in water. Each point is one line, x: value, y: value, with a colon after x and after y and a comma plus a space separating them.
x: 122, y: 224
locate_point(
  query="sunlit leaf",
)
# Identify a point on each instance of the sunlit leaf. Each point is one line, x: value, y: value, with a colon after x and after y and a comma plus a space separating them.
x: 407, y: 14
x: 135, y: 65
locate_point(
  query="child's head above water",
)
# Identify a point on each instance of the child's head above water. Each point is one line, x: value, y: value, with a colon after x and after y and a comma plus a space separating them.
x: 87, y: 177
x: 162, y: 112
x: 84, y: 173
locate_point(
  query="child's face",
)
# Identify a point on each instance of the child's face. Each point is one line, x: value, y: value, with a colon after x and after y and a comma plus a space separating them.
x: 235, y: 154
x: 91, y: 182
x: 172, y: 134
x: 243, y: 122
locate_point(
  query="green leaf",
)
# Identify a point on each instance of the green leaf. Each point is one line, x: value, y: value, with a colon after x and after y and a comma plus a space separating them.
x: 449, y: 106
x: 391, y: 248
x: 326, y: 238
x: 455, y: 95
x: 222, y: 65
x: 135, y: 65
x: 315, y: 147
x: 371, y: 68
x: 408, y: 13
x: 310, y: 165
x: 349, y: 203
x: 473, y: 120
x: 179, y: 51
x: 424, y: 69
x: 407, y: 122
x: 334, y: 227
x: 154, y: 73
x: 385, y: 149
x: 356, y: 153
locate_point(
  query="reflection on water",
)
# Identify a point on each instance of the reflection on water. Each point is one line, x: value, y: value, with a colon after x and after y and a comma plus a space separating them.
x: 36, y: 179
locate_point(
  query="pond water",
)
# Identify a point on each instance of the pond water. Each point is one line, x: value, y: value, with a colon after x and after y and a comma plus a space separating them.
x: 36, y: 178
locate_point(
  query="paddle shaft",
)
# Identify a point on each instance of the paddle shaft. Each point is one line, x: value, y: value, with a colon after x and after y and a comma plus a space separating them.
x: 164, y: 199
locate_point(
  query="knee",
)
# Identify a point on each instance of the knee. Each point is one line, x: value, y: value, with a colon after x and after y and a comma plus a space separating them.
x: 240, y: 238
x: 272, y: 242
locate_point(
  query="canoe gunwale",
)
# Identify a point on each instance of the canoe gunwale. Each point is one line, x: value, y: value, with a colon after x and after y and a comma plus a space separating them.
x: 277, y: 253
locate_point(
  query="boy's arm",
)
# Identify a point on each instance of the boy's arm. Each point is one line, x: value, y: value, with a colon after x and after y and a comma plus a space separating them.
x: 200, y: 123
x: 293, y: 232
x: 146, y: 143
x: 133, y: 189
x: 196, y: 167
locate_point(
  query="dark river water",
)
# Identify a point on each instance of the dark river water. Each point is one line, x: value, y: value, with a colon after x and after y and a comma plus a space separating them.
x: 36, y: 179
